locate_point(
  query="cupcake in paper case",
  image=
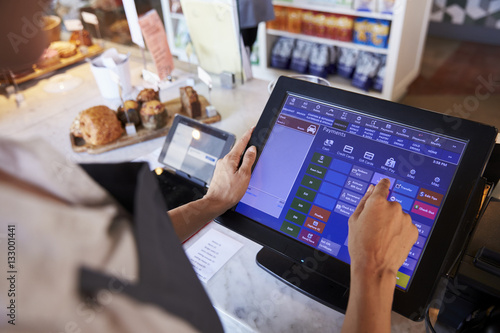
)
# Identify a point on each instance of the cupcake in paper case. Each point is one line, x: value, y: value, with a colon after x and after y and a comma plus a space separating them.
x: 153, y: 115
x: 129, y: 113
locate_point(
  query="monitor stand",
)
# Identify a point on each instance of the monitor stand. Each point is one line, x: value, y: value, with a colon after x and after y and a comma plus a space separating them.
x: 303, y: 279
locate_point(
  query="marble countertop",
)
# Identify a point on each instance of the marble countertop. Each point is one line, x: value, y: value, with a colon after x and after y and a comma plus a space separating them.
x: 247, y: 298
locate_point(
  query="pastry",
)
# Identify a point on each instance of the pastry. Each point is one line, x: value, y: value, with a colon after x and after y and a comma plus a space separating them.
x: 65, y: 49
x: 153, y: 115
x: 81, y: 37
x: 190, y: 102
x: 129, y: 113
x: 99, y: 125
x: 147, y: 95
x: 49, y: 57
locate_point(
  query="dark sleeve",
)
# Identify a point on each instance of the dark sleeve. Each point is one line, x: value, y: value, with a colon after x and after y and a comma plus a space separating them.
x: 166, y: 277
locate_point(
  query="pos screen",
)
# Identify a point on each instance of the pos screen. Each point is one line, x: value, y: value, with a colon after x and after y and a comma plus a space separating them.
x: 319, y: 150
x: 309, y: 193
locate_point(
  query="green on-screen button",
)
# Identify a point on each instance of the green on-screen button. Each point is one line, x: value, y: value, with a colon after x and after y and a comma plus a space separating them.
x: 402, y: 280
x: 290, y: 228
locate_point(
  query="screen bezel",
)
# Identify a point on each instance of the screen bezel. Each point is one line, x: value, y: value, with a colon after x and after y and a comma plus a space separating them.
x: 228, y: 138
x: 481, y: 138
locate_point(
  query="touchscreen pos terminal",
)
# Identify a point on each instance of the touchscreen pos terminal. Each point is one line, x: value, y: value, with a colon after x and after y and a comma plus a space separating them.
x: 319, y: 148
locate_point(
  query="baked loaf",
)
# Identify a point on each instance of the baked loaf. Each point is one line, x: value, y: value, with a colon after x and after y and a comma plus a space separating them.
x: 190, y: 102
x: 153, y: 115
x: 147, y: 95
x: 99, y: 125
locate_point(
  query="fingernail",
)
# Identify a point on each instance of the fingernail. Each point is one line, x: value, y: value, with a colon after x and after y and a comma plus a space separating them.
x: 252, y: 149
x: 370, y: 189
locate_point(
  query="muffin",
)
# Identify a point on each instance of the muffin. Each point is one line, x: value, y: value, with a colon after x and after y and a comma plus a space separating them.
x: 147, y: 95
x: 153, y: 115
x: 129, y: 109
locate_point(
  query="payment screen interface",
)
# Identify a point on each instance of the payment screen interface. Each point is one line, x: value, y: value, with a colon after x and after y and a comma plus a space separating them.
x: 194, y: 152
x: 319, y: 161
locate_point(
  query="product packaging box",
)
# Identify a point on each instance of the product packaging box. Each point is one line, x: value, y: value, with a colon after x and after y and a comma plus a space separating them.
x: 344, y: 3
x: 387, y: 6
x: 361, y: 33
x: 365, y: 5
x: 379, y: 33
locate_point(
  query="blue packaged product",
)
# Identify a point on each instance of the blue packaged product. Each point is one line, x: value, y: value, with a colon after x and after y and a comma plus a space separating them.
x: 347, y: 62
x: 379, y: 33
x: 332, y: 63
x: 378, y: 82
x: 361, y: 32
x: 365, y: 5
x: 281, y: 53
x: 319, y: 60
x: 366, y: 68
x: 386, y: 6
x: 300, y: 56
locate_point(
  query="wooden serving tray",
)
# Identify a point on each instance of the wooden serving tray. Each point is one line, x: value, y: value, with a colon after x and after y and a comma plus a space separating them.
x: 173, y: 107
x: 93, y: 50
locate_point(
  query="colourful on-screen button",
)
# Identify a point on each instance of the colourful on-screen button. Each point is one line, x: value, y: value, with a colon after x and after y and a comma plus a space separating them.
x: 424, y: 210
x: 300, y: 205
x: 311, y: 182
x: 321, y: 159
x: 316, y: 170
x: 306, y: 194
x: 289, y: 228
x: 295, y: 217
x: 402, y: 280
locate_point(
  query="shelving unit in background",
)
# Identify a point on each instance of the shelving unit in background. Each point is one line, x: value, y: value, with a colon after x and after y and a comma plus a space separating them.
x: 404, y: 53
x: 406, y: 42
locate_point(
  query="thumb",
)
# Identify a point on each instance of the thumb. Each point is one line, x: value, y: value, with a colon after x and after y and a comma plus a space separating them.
x: 248, y: 160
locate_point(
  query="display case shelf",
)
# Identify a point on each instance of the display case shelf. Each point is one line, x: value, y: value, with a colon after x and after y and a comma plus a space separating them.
x: 403, y: 56
x: 335, y: 80
x: 327, y: 41
x: 332, y: 9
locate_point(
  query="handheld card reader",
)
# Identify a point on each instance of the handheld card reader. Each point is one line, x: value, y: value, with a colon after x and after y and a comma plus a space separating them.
x: 190, y: 153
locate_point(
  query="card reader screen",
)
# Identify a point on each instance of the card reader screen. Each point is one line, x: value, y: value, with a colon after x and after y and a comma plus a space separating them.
x: 320, y: 159
x: 194, y: 152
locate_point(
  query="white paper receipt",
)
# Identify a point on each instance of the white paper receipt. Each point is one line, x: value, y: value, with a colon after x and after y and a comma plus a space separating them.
x: 209, y: 253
